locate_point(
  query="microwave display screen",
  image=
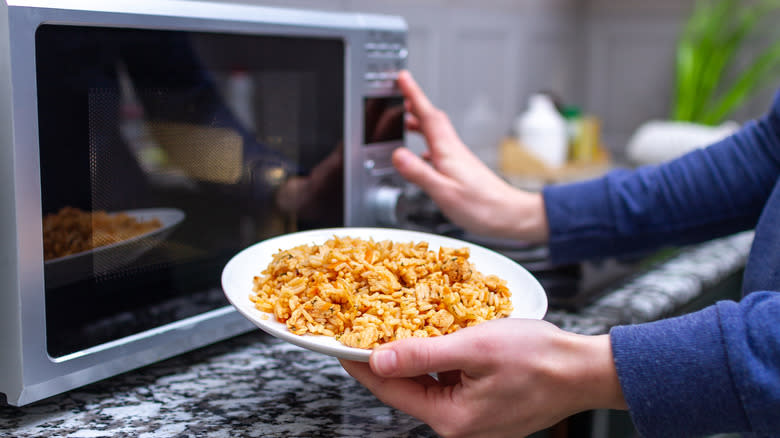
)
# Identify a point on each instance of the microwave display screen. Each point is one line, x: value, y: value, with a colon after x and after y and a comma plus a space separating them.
x: 163, y: 154
x: 383, y: 119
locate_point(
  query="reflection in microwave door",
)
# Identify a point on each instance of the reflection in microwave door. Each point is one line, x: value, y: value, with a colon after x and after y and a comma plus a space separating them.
x: 104, y: 259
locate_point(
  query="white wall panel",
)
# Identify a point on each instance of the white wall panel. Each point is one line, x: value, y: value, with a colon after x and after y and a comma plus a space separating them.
x: 424, y: 62
x: 614, y: 58
x: 549, y: 66
x: 481, y: 72
x: 483, y: 65
x: 630, y: 74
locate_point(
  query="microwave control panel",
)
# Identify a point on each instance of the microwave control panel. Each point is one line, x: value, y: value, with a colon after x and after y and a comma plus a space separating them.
x: 383, y: 126
x: 386, y: 55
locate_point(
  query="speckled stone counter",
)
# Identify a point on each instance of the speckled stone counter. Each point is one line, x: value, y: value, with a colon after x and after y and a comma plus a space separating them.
x: 249, y: 386
x: 257, y: 386
x: 663, y: 289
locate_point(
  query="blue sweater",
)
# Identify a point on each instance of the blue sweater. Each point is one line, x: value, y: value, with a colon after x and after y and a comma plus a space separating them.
x: 718, y: 369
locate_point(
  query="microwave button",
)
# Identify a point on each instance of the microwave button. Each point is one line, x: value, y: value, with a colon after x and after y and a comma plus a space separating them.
x: 383, y: 201
x: 382, y: 171
x: 380, y: 163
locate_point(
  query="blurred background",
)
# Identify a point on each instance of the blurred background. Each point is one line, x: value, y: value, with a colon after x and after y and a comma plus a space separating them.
x: 614, y: 60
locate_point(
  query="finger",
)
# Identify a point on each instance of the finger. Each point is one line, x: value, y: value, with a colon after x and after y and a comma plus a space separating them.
x: 416, y: 396
x: 412, y: 123
x: 449, y: 378
x: 418, y: 103
x: 432, y: 123
x: 418, y: 356
x: 415, y: 170
x: 362, y: 373
x: 426, y: 380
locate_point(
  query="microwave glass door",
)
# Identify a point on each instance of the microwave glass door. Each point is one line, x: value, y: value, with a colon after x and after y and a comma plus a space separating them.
x: 163, y: 154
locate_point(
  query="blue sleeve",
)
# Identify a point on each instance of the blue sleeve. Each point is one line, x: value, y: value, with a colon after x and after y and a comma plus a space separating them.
x: 715, y: 370
x: 704, y: 194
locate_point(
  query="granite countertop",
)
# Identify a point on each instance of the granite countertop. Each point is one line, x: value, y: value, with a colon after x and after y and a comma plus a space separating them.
x: 249, y: 386
x: 256, y: 386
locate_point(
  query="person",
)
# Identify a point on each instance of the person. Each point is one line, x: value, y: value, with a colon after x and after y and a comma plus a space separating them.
x: 716, y: 370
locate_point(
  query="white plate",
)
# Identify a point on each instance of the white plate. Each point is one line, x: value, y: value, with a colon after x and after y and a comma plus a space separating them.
x: 528, y: 297
x: 102, y: 259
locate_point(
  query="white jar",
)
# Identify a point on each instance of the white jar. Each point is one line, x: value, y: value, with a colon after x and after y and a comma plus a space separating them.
x: 542, y: 130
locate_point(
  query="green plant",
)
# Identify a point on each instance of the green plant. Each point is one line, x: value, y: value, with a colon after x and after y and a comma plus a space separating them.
x: 710, y: 85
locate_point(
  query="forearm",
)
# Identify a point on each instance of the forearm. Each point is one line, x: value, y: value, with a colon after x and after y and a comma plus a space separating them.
x: 523, y: 217
x: 704, y: 194
x: 715, y: 370
x: 587, y: 368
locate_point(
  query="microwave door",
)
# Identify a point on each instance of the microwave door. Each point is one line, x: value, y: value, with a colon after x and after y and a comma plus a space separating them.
x: 163, y: 153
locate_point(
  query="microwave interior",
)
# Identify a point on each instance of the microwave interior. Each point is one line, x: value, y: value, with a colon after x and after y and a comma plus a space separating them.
x: 163, y: 154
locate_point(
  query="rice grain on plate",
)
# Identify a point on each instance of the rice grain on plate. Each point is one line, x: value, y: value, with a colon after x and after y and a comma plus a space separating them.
x: 367, y: 293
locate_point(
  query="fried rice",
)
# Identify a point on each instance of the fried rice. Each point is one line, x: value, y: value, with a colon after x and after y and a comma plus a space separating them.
x: 72, y: 230
x: 366, y: 293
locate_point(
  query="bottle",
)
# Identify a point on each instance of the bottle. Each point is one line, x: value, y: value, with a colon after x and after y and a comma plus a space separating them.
x: 543, y: 131
x: 579, y: 151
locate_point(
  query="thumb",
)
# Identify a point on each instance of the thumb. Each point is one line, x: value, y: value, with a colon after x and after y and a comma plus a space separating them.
x: 413, y: 357
x: 417, y: 171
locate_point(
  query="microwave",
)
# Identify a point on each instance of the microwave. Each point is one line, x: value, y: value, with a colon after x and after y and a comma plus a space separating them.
x: 144, y: 143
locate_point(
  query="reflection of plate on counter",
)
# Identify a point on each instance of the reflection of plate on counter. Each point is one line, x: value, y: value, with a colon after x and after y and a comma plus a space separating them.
x: 74, y: 267
x: 528, y: 296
